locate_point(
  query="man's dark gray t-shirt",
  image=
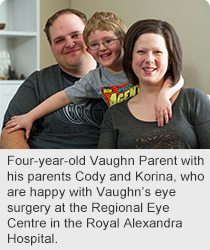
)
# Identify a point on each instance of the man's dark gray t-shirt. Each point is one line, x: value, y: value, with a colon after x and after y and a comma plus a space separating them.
x: 73, y: 126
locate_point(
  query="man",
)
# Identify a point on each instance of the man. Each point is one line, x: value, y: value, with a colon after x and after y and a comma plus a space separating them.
x: 73, y: 126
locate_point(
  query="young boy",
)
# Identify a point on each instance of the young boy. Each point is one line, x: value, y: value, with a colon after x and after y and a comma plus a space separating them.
x: 103, y: 36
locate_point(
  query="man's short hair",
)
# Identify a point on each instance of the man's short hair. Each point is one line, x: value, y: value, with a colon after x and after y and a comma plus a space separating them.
x: 52, y: 19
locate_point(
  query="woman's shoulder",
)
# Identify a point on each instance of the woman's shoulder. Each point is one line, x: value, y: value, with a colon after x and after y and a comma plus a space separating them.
x: 192, y: 97
x: 117, y: 108
x: 120, y: 105
x: 193, y: 93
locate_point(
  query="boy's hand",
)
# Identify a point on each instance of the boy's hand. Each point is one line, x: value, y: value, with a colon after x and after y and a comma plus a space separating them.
x: 19, y: 122
x: 163, y: 111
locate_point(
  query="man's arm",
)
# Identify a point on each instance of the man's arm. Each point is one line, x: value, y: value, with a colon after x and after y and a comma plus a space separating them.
x: 15, y: 140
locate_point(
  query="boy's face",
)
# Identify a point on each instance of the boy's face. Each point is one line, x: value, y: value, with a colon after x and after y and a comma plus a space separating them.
x: 109, y: 56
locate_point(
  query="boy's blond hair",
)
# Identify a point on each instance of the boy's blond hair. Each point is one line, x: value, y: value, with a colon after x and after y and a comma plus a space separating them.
x: 104, y: 21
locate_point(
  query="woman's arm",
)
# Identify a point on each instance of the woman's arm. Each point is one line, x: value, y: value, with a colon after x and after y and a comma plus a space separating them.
x: 201, y: 118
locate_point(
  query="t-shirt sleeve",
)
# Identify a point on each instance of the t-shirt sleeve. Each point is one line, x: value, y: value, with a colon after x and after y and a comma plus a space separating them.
x: 82, y: 90
x: 108, y: 137
x: 201, y: 119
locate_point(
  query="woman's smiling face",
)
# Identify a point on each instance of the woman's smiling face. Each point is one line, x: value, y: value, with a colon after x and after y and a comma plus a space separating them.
x: 150, y: 59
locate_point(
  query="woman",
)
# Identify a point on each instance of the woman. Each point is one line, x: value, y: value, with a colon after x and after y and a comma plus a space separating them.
x: 152, y: 53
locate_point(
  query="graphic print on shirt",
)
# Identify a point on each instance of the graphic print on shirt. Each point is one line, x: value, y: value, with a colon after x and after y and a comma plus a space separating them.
x: 90, y: 114
x: 117, y: 94
x: 159, y: 139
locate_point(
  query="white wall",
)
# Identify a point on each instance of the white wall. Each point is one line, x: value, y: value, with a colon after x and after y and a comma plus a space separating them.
x: 47, y: 9
x: 190, y: 18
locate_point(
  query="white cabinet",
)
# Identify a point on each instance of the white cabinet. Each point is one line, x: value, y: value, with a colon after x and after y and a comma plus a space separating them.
x: 20, y: 38
x: 7, y: 90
